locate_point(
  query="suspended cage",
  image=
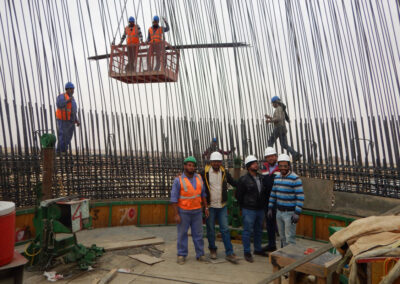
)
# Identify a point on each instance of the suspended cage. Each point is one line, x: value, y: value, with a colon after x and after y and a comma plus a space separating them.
x: 144, y: 63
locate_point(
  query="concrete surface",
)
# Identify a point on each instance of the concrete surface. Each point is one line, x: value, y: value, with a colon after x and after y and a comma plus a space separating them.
x: 318, y: 194
x: 191, y: 272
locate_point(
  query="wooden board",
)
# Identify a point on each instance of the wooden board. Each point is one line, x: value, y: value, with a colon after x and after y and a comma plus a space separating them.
x: 131, y: 244
x: 305, y: 226
x: 24, y: 229
x: 124, y: 215
x: 99, y: 216
x: 152, y: 214
x: 171, y: 214
x: 146, y: 258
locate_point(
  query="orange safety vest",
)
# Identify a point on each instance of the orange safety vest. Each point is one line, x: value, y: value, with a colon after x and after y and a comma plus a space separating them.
x: 65, y: 113
x: 132, y: 35
x: 156, y: 36
x: 190, y: 198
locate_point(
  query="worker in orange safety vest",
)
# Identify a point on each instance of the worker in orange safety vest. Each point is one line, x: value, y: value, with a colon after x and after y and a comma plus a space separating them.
x: 133, y: 36
x: 66, y: 116
x: 156, y: 40
x: 187, y: 197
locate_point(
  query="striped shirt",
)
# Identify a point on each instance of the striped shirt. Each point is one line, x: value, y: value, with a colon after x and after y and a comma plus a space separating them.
x: 287, y: 193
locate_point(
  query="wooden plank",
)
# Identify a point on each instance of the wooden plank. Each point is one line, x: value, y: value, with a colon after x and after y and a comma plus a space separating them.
x: 146, y: 258
x: 296, y: 264
x: 132, y: 244
x: 106, y: 278
x: 153, y: 214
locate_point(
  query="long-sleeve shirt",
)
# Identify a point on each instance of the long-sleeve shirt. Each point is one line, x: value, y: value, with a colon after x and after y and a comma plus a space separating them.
x: 279, y: 117
x: 164, y: 30
x: 62, y: 103
x: 287, y: 193
x: 138, y: 30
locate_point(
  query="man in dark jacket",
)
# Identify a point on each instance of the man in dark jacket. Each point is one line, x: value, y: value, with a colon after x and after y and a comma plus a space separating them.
x: 252, y: 197
x: 216, y: 180
x: 269, y: 170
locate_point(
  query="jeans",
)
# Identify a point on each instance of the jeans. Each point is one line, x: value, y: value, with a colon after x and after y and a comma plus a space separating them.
x: 252, y: 223
x: 132, y: 57
x: 156, y: 52
x: 65, y: 130
x: 271, y: 228
x: 222, y: 215
x: 280, y: 132
x: 287, y: 230
x: 194, y: 220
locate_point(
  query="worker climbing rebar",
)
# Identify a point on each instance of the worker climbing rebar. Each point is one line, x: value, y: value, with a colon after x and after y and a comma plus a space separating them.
x: 280, y: 130
x: 66, y: 115
x: 156, y: 39
x: 133, y: 34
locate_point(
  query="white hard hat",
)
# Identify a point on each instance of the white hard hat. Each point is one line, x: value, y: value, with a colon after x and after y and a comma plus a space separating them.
x: 216, y: 156
x: 269, y: 151
x: 250, y: 159
x: 283, y: 158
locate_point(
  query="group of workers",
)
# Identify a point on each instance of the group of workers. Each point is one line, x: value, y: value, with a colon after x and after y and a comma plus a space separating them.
x: 276, y: 194
x: 155, y: 37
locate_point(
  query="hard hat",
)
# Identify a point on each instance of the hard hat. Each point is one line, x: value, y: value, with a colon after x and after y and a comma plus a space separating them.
x: 275, y: 99
x: 214, y: 139
x: 250, y: 159
x: 69, y: 85
x: 156, y: 19
x: 269, y: 151
x: 131, y: 19
x: 190, y: 159
x: 216, y: 156
x: 283, y: 158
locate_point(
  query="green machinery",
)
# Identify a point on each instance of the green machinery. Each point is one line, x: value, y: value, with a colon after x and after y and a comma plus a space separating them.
x: 56, y: 221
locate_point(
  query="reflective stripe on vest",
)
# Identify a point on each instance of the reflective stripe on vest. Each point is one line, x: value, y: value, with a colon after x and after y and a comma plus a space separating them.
x: 64, y: 113
x: 190, y: 197
x: 132, y: 35
x: 155, y: 36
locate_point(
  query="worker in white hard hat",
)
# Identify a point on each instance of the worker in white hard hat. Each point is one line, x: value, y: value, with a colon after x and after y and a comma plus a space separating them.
x: 252, y: 197
x: 287, y: 197
x: 269, y: 170
x: 216, y: 180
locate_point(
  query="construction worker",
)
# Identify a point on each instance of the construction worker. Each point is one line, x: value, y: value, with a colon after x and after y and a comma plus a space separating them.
x: 280, y: 131
x: 269, y: 170
x: 66, y: 116
x: 133, y: 34
x: 156, y: 39
x: 252, y: 197
x: 216, y: 180
x: 214, y: 148
x: 187, y: 196
x: 287, y: 197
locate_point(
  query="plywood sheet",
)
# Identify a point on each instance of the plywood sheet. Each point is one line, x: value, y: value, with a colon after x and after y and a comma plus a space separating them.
x: 131, y: 244
x: 146, y: 258
x: 124, y: 215
x: 153, y: 214
x: 99, y: 216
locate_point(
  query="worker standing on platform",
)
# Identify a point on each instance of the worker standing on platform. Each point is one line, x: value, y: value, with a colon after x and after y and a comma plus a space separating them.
x: 287, y: 197
x: 252, y: 197
x: 156, y: 39
x: 269, y: 170
x: 187, y: 196
x: 280, y: 130
x: 214, y: 148
x: 66, y: 116
x: 216, y: 180
x: 133, y: 34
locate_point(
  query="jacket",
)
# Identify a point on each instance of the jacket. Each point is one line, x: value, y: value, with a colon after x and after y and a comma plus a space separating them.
x: 226, y: 178
x: 248, y: 195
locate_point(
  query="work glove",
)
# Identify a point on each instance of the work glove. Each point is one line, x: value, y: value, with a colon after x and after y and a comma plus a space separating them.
x: 295, y: 218
x: 269, y: 214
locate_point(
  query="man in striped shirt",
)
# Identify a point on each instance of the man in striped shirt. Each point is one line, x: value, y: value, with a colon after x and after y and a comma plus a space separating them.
x: 287, y: 197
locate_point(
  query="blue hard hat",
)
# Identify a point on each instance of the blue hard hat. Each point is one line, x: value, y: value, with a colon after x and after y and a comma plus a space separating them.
x: 214, y: 139
x: 131, y: 19
x: 156, y: 19
x: 275, y: 99
x: 69, y: 85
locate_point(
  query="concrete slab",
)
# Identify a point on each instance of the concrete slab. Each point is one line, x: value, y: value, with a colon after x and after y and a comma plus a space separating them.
x: 318, y: 194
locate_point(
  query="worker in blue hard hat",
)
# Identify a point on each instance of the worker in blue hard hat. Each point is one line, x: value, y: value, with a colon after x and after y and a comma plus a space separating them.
x: 215, y: 148
x: 66, y: 115
x: 133, y: 34
x: 156, y: 40
x: 280, y: 130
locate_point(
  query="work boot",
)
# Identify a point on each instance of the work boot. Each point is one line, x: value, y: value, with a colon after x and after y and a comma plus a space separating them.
x: 232, y: 258
x: 260, y: 253
x: 202, y: 258
x: 248, y: 257
x: 181, y: 259
x: 213, y: 254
